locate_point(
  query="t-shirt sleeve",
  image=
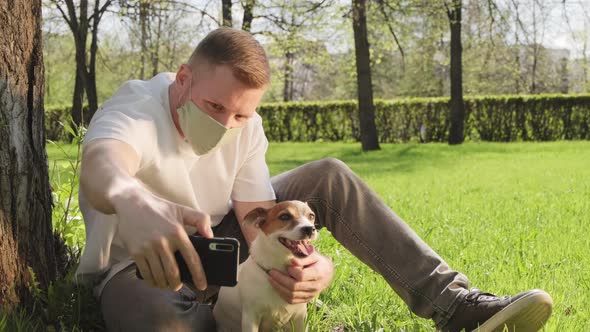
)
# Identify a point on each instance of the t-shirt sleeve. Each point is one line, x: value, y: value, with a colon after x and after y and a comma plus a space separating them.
x: 123, y: 126
x: 252, y: 182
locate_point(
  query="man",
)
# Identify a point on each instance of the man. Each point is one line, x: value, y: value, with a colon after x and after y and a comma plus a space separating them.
x: 186, y: 152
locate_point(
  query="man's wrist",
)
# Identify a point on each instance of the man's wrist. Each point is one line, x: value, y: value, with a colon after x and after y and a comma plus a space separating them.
x: 124, y: 192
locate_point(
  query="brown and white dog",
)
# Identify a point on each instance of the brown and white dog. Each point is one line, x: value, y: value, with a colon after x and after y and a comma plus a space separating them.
x: 285, y: 231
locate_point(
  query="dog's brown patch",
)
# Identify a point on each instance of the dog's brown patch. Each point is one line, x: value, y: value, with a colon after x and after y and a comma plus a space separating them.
x: 284, y: 215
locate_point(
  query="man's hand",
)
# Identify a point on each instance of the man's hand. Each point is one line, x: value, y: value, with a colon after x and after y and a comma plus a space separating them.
x: 306, y: 279
x: 152, y: 230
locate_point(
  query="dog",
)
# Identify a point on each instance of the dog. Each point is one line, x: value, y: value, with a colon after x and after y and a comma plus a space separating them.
x: 285, y: 232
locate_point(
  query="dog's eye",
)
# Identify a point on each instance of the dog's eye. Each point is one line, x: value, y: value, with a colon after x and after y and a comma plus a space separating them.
x: 311, y: 216
x: 285, y: 216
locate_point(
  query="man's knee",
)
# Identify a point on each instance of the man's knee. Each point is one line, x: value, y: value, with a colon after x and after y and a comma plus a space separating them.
x: 329, y: 168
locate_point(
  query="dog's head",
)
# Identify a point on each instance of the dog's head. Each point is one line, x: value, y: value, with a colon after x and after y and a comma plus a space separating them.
x: 288, y: 224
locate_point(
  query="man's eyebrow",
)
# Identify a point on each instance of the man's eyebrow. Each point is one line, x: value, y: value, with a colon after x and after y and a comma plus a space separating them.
x: 215, y: 102
x: 211, y: 101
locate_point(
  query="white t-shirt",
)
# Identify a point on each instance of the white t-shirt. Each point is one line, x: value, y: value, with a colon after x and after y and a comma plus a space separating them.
x: 139, y: 115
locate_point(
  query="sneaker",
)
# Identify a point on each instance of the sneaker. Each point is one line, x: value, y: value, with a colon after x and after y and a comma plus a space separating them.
x: 484, y: 312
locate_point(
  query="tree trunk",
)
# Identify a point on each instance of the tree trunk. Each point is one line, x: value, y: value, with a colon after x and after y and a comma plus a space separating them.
x: 77, y: 97
x: 79, y: 29
x: 85, y: 75
x: 368, y: 130
x: 91, y: 91
x: 288, y: 81
x: 248, y: 15
x: 143, y: 17
x: 26, y: 238
x: 155, y: 50
x: 226, y: 13
x: 457, y: 107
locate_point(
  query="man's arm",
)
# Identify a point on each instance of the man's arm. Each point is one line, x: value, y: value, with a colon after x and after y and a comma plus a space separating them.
x: 108, y: 167
x: 241, y: 209
x: 150, y: 227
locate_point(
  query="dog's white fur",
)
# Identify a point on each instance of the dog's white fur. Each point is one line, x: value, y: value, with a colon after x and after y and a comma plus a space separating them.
x: 254, y: 302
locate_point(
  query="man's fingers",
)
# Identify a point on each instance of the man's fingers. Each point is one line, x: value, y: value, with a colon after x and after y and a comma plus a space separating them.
x: 155, y: 265
x: 193, y: 262
x: 145, y: 271
x: 293, y: 285
x: 171, y: 271
x: 310, y: 273
x: 201, y: 221
x: 288, y: 296
x: 283, y: 279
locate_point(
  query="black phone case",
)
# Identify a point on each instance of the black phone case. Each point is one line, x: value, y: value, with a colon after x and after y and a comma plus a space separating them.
x: 219, y: 257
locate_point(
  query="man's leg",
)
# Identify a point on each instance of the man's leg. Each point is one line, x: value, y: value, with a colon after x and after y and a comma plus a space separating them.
x: 131, y: 304
x: 370, y: 230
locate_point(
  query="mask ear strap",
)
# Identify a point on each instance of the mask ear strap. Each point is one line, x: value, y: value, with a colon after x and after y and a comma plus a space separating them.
x: 190, y: 90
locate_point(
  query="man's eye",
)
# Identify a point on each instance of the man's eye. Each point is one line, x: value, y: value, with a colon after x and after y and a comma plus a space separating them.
x: 217, y: 107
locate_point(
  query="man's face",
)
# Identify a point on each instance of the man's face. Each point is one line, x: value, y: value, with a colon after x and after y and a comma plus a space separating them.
x: 223, y: 97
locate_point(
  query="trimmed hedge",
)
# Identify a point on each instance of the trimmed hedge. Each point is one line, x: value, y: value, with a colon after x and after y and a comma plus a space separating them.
x: 56, y: 115
x: 489, y: 118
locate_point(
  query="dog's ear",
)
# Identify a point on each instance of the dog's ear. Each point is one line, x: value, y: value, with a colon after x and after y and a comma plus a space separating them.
x: 257, y: 217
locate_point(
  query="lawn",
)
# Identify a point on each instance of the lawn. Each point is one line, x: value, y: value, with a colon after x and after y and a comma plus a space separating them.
x: 510, y: 216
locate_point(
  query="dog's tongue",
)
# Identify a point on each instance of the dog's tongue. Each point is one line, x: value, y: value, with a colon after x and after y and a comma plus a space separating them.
x: 305, y: 247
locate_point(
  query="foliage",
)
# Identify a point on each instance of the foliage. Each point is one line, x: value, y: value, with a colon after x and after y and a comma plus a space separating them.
x: 65, y: 305
x: 490, y: 118
x: 56, y: 118
x: 66, y: 215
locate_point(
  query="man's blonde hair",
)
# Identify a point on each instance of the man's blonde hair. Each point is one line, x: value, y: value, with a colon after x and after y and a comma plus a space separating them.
x: 237, y: 49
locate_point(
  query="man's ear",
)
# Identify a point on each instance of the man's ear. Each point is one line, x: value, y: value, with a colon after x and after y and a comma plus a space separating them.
x: 257, y: 217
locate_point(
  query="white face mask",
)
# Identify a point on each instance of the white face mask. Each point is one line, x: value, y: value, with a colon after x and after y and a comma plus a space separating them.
x: 203, y: 133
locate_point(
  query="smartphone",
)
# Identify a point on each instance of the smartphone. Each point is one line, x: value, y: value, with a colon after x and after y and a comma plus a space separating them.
x: 219, y: 257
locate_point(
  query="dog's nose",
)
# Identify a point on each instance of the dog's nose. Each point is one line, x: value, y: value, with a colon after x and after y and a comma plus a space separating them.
x: 307, y: 230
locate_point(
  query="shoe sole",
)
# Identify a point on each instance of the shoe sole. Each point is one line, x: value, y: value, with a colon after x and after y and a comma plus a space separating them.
x: 527, y: 314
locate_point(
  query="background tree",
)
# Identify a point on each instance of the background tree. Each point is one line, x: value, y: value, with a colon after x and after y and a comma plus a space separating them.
x: 25, y: 199
x: 457, y: 109
x: 369, y: 139
x: 226, y: 7
x: 312, y: 56
x: 248, y: 16
x: 80, y: 25
x: 153, y: 26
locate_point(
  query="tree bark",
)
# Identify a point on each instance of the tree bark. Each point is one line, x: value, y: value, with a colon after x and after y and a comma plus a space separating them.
x: 368, y: 130
x: 457, y: 108
x: 226, y: 13
x: 26, y: 238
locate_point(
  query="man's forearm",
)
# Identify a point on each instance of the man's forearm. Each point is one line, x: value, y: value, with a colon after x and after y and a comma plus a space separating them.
x: 106, y: 175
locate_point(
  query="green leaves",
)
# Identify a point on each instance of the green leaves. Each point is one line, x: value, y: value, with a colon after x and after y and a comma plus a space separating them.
x: 490, y: 118
x: 66, y: 214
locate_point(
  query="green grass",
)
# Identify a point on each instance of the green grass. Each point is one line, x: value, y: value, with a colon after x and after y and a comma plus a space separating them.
x: 510, y: 216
